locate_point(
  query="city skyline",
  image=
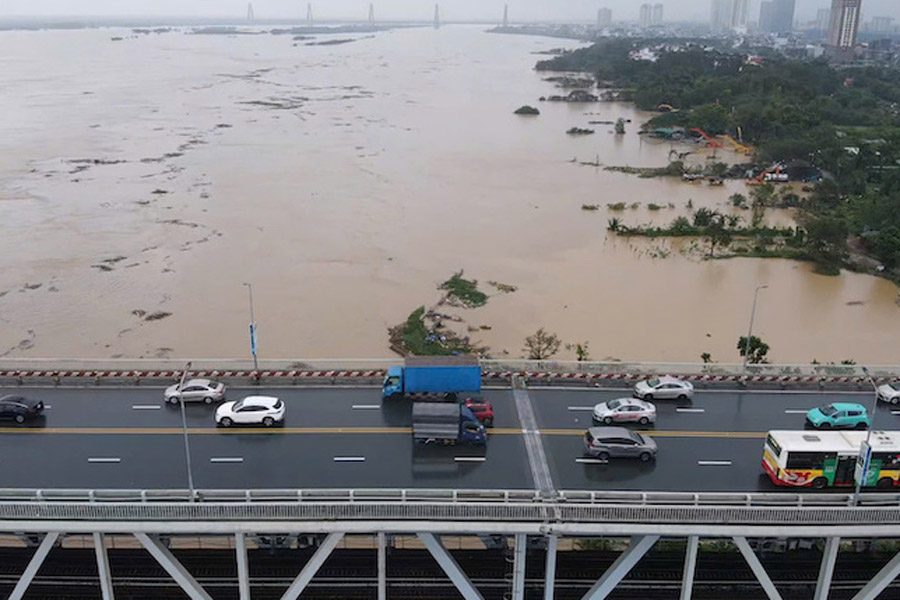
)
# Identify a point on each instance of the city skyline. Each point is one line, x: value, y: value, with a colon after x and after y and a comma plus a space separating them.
x: 519, y: 10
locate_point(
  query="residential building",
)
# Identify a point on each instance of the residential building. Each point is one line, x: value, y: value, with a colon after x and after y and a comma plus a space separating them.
x: 604, y: 18
x: 729, y: 14
x: 777, y: 16
x: 844, y: 24
x: 646, y: 16
x: 881, y: 24
x: 657, y: 16
x: 823, y: 19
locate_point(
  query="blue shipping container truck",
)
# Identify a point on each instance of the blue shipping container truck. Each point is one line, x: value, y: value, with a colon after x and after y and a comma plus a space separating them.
x: 446, y: 376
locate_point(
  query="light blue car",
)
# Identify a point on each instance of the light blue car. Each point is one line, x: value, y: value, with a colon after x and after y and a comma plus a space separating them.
x: 840, y: 415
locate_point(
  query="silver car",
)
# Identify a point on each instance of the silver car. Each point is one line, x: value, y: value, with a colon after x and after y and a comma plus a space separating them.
x: 625, y: 410
x: 664, y: 387
x: 615, y: 442
x: 889, y: 392
x: 196, y: 390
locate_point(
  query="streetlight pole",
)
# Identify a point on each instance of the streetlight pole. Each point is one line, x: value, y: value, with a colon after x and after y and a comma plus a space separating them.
x: 866, y: 459
x: 750, y: 330
x: 187, y: 444
x: 252, y: 328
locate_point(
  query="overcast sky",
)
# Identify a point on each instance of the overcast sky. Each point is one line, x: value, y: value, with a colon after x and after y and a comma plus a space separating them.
x: 407, y: 9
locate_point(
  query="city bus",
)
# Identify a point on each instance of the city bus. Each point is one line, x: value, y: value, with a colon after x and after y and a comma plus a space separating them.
x: 822, y: 459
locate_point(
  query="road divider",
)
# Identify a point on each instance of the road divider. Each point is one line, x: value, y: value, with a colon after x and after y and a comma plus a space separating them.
x: 690, y: 410
x: 591, y: 461
x: 796, y: 411
x: 366, y: 406
x: 585, y: 408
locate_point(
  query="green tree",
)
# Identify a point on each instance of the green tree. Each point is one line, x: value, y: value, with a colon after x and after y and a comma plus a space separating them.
x: 711, y: 118
x: 758, y: 349
x: 541, y: 345
x: 717, y: 233
x: 826, y: 239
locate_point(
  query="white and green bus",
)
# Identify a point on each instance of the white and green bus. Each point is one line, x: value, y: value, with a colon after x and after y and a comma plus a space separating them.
x: 822, y: 459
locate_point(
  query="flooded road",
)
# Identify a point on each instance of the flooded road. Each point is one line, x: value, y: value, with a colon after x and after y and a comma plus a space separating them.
x: 143, y: 181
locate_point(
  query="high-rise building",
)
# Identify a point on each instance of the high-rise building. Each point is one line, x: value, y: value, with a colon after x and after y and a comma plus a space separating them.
x: 656, y: 17
x: 777, y: 16
x: 729, y: 14
x: 844, y: 23
x: 646, y: 15
x: 604, y: 18
x: 882, y: 24
x: 823, y: 19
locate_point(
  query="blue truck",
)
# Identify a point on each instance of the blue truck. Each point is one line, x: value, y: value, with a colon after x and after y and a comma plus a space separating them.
x: 436, y: 376
x: 446, y: 423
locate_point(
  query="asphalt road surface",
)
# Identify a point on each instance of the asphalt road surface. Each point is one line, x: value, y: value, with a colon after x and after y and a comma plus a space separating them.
x: 345, y: 438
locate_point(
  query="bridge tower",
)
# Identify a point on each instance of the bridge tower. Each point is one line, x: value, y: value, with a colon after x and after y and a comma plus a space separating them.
x: 309, y: 17
x: 371, y: 13
x: 437, y: 17
x: 505, y: 15
x: 250, y: 12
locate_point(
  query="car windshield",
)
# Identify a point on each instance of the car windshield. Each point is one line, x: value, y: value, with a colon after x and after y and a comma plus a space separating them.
x: 653, y: 382
x: 827, y: 410
x: 632, y: 435
x: 238, y: 405
x: 614, y: 404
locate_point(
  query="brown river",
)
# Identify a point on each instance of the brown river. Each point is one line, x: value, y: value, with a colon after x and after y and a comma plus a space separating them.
x: 143, y: 181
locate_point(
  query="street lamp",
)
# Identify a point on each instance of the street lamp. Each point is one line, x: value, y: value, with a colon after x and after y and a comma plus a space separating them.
x: 252, y: 328
x: 187, y: 445
x: 750, y: 331
x: 867, y: 458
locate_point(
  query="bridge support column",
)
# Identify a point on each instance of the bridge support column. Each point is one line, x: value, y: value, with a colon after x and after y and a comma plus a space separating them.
x: 310, y: 568
x: 243, y: 568
x: 550, y: 568
x: 637, y: 548
x: 758, y: 570
x: 690, y: 566
x: 520, y: 551
x: 449, y: 566
x: 382, y: 567
x: 106, y: 587
x: 34, y: 565
x: 173, y: 567
x: 881, y: 580
x: 826, y: 571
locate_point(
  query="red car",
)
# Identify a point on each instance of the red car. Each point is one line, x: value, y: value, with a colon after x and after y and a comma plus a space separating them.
x: 483, y: 410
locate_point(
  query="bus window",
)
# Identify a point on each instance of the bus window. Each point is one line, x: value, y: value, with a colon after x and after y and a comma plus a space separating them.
x: 889, y: 462
x: 773, y: 446
x: 807, y: 460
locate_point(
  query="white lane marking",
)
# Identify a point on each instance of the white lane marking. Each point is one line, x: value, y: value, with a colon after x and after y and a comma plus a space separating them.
x: 104, y: 460
x: 470, y: 458
x: 714, y: 463
x: 895, y: 412
x: 366, y: 406
x: 796, y: 411
x: 581, y: 408
x: 691, y: 410
x: 591, y: 461
x: 349, y: 459
x: 47, y: 407
x: 146, y: 406
x: 226, y: 459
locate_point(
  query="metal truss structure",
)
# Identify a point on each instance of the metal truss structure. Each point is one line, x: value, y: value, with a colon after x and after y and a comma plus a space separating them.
x: 153, y: 516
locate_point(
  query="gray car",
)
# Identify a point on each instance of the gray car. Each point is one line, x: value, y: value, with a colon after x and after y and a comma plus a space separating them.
x: 615, y: 442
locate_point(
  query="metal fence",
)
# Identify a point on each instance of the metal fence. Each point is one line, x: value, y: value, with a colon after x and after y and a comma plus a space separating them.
x: 449, y: 505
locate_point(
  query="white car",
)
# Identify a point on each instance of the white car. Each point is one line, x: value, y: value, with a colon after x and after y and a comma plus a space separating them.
x: 625, y: 410
x: 196, y: 390
x: 664, y: 387
x: 252, y: 410
x: 889, y: 393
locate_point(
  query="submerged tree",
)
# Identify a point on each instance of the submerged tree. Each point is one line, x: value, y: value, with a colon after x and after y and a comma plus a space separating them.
x: 755, y: 351
x: 541, y: 345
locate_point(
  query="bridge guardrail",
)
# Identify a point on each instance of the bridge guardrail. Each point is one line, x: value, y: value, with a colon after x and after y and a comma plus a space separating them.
x: 450, y: 505
x: 59, y: 370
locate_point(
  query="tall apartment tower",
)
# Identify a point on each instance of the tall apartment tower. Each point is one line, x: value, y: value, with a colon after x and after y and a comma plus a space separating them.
x: 506, y: 15
x: 823, y: 19
x: 657, y: 15
x: 250, y: 16
x: 777, y: 16
x: 604, y: 18
x: 729, y: 14
x: 646, y: 15
x: 844, y: 23
x: 371, y: 13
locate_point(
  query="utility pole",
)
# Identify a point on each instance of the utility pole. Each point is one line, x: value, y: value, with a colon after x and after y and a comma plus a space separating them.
x: 252, y: 329
x: 187, y: 444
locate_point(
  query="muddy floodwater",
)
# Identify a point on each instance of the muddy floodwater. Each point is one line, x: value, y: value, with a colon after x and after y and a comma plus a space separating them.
x: 144, y: 180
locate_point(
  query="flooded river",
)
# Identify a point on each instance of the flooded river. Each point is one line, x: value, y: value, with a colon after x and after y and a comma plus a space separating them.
x: 143, y: 181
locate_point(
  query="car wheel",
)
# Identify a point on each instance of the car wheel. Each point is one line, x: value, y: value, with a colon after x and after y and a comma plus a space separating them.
x: 268, y: 421
x: 819, y: 483
x: 172, y: 399
x: 682, y: 397
x: 603, y: 456
x: 488, y: 422
x: 645, y: 456
x: 824, y: 426
x: 226, y: 422
x: 895, y: 399
x: 885, y: 483
x: 208, y: 399
x: 644, y: 421
x: 861, y: 425
x: 648, y: 397
x: 20, y: 419
x: 608, y: 421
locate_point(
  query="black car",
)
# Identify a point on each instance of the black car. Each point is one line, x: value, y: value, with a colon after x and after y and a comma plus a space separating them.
x: 20, y: 409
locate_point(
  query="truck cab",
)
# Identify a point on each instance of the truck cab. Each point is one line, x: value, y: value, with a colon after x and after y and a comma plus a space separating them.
x: 393, y: 383
x: 471, y: 430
